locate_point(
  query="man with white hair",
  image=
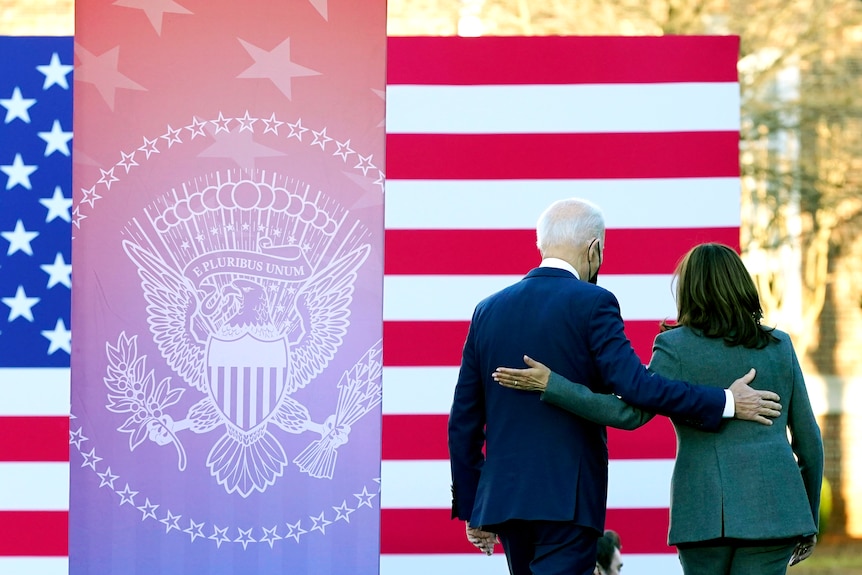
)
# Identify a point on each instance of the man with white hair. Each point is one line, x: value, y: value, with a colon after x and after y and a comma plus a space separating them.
x: 530, y: 473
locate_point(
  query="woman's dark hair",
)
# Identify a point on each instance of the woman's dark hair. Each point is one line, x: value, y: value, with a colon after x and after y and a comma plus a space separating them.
x: 606, y: 545
x: 715, y: 294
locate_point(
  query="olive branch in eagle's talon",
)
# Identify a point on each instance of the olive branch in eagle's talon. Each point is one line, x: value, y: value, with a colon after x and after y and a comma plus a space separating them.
x: 132, y: 389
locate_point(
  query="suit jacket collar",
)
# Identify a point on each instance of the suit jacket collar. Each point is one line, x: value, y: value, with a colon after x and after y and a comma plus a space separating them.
x: 550, y: 272
x: 559, y: 264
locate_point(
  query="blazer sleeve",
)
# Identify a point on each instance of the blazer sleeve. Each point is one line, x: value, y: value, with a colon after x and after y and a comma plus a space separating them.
x: 805, y: 439
x: 467, y: 431
x: 601, y: 408
x: 621, y: 368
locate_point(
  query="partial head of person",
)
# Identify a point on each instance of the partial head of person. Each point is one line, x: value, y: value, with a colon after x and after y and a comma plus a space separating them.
x: 609, y: 561
x: 573, y: 230
x: 716, y: 295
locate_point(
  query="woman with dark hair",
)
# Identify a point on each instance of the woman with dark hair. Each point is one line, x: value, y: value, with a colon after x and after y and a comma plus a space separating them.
x: 608, y: 558
x: 745, y: 499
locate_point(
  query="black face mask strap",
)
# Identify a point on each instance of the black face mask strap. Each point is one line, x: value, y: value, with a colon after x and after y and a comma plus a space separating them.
x: 594, y: 278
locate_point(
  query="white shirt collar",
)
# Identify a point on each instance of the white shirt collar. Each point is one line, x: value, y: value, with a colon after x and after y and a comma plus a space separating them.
x: 560, y: 265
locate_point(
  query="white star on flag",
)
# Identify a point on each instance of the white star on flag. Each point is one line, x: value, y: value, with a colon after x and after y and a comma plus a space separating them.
x: 19, y: 239
x: 17, y: 106
x: 19, y: 173
x: 60, y: 337
x: 59, y: 272
x: 56, y: 140
x: 58, y: 206
x: 55, y: 73
x: 20, y: 305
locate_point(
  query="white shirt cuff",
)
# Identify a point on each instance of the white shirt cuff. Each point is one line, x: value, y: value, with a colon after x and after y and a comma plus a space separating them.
x: 729, y: 405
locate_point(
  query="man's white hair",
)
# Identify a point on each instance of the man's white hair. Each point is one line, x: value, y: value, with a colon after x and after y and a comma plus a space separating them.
x: 568, y: 223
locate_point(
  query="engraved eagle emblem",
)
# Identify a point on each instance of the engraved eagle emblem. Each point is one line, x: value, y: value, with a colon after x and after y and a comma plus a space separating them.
x: 248, y: 341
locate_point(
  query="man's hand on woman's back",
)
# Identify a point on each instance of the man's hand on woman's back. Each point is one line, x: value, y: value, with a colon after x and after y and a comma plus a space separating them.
x: 754, y: 404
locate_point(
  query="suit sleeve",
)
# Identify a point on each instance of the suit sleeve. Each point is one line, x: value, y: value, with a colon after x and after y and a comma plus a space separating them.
x: 601, y: 408
x: 622, y: 370
x: 805, y: 439
x: 467, y: 431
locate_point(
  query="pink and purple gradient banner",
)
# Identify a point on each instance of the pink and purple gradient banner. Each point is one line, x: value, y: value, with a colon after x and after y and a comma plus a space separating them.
x: 227, y: 294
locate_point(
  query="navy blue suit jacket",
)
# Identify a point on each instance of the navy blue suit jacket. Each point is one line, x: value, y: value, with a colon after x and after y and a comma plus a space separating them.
x: 541, y: 462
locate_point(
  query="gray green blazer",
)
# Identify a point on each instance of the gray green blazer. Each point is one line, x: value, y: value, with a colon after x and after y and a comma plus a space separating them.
x: 743, y: 481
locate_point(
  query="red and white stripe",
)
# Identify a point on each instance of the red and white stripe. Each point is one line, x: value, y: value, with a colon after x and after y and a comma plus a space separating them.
x: 482, y: 135
x: 34, y: 471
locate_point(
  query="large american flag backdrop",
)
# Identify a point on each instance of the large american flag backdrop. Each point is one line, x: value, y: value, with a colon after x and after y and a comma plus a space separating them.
x: 483, y: 134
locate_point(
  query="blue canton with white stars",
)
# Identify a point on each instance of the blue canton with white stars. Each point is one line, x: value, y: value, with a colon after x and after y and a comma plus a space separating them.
x: 35, y: 201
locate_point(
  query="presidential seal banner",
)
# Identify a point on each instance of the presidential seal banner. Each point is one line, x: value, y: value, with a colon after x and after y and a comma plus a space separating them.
x: 227, y: 295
